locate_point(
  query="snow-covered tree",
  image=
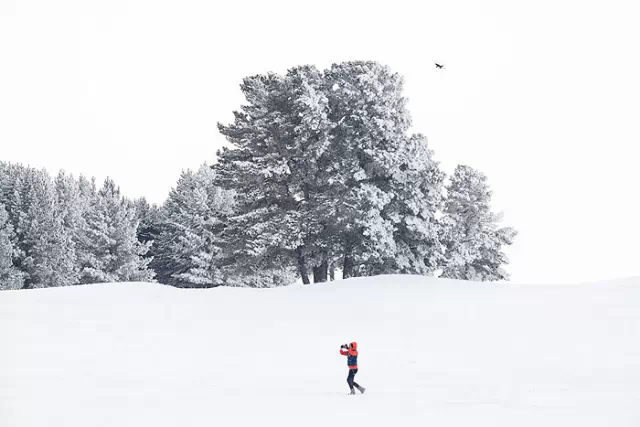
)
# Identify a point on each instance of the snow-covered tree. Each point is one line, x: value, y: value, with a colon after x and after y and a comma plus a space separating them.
x: 190, y: 248
x: 111, y: 251
x: 187, y: 248
x: 371, y: 121
x: 69, y: 201
x: 72, y: 204
x: 10, y: 276
x: 473, y: 240
x: 46, y: 248
x: 275, y: 167
x: 412, y: 215
x: 12, y: 185
x: 313, y: 162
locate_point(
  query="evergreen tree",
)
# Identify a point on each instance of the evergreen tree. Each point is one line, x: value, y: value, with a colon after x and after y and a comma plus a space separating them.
x: 472, y: 237
x: 412, y: 214
x: 10, y: 277
x: 275, y: 168
x: 313, y: 163
x: 72, y: 206
x: 69, y: 202
x: 12, y: 179
x: 188, y: 241
x: 369, y: 112
x: 191, y: 252
x: 49, y: 255
x: 111, y: 250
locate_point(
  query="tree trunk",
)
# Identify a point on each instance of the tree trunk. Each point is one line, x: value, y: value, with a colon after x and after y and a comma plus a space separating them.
x: 347, y: 265
x: 332, y: 272
x: 347, y: 268
x: 320, y: 272
x: 302, y: 268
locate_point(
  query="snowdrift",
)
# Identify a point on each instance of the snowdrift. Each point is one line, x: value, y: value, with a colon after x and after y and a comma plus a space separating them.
x: 432, y: 352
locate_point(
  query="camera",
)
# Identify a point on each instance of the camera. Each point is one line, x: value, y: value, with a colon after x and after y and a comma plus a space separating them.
x: 345, y: 346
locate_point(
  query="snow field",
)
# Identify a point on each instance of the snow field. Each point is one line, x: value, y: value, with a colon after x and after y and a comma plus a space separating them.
x: 432, y: 352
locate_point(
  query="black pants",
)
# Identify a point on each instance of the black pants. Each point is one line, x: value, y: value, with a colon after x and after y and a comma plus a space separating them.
x: 350, y: 381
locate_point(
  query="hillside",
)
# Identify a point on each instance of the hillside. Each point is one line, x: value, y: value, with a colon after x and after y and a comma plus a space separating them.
x: 432, y: 352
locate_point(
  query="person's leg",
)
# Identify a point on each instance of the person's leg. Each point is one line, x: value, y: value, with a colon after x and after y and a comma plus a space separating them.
x: 350, y: 379
x: 358, y: 386
x: 353, y: 383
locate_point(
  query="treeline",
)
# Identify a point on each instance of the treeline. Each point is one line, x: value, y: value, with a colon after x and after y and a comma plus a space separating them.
x: 65, y: 231
x: 322, y: 178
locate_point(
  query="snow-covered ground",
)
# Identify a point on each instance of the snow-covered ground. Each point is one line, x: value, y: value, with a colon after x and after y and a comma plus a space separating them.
x: 432, y: 353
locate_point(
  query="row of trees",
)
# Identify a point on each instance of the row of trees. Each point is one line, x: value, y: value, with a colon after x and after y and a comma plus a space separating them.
x: 198, y: 231
x: 65, y: 231
x: 322, y: 177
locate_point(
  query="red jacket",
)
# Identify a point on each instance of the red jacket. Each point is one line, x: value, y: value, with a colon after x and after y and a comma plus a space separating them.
x: 352, y: 355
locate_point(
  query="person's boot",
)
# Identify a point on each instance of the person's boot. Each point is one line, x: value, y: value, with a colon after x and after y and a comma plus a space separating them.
x: 352, y: 391
x: 362, y: 389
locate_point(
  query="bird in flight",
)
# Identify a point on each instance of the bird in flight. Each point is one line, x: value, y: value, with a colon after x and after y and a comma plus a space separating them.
x: 439, y: 66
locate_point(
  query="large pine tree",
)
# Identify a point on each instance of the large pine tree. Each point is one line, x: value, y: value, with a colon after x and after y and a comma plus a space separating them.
x: 275, y: 167
x: 314, y: 161
x: 369, y: 135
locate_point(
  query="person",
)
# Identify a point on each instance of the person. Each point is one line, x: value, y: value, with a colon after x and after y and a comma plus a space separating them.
x: 351, y: 351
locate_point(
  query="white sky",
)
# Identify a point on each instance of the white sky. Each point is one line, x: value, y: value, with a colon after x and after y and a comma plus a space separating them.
x: 544, y: 97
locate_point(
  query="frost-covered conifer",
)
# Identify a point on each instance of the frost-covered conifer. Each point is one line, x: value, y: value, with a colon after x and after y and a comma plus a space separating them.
x: 191, y: 251
x: 473, y: 240
x: 10, y: 277
x: 47, y: 247
x: 277, y: 167
x: 313, y: 163
x: 111, y: 250
x: 187, y: 244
